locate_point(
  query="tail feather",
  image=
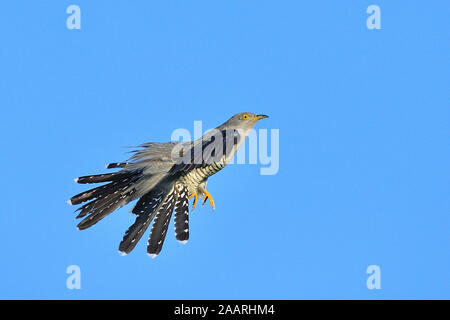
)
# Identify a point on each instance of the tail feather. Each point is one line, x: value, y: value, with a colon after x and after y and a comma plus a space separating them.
x: 106, y: 198
x: 84, y: 210
x: 97, y: 178
x: 181, y: 220
x: 97, y: 192
x: 103, y: 207
x: 160, y: 225
x: 127, y: 178
x: 146, y: 209
x: 116, y: 165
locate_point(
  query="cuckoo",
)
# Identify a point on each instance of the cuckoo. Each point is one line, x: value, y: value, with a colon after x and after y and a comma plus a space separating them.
x: 162, y: 177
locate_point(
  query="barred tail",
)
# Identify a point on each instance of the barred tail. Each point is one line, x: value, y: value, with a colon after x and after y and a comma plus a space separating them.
x: 158, y: 205
x: 145, y: 209
x: 181, y: 220
x: 160, y: 225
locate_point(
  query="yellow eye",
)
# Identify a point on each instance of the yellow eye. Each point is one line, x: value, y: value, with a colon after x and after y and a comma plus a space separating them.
x: 245, y: 117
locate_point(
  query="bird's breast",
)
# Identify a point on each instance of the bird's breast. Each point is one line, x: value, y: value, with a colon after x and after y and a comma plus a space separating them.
x: 196, y: 176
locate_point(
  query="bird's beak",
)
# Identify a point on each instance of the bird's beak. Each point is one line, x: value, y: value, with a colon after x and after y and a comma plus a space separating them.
x: 260, y: 116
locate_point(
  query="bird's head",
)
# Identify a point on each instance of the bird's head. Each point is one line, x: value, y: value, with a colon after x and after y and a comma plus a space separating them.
x: 244, y: 120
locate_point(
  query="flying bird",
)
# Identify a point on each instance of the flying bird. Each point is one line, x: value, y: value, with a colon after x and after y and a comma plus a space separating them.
x: 163, y: 177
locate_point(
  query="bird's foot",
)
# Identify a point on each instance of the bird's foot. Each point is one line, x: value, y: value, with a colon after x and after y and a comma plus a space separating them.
x: 195, y: 199
x: 206, y: 196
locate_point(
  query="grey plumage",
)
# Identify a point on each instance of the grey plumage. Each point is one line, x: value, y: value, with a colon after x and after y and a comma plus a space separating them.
x: 162, y: 176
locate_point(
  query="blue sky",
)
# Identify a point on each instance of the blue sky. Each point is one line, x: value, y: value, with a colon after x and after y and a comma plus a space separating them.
x: 363, y: 117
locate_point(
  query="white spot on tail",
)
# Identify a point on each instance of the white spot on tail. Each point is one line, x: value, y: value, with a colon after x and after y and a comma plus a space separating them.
x: 152, y: 255
x: 76, y: 180
x: 69, y: 201
x: 122, y: 253
x: 182, y: 241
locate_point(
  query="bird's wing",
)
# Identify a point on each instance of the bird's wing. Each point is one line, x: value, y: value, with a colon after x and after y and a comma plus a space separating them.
x: 146, y: 208
x: 212, y: 147
x: 141, y: 173
x: 105, y: 199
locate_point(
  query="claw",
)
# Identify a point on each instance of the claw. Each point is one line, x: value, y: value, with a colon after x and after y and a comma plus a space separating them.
x: 206, y: 196
x: 195, y: 199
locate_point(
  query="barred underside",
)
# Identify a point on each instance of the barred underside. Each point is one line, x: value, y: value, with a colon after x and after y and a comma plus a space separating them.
x: 197, y: 176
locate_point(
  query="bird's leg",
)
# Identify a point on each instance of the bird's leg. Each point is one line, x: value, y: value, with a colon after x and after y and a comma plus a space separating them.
x: 195, y: 199
x: 207, y: 195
